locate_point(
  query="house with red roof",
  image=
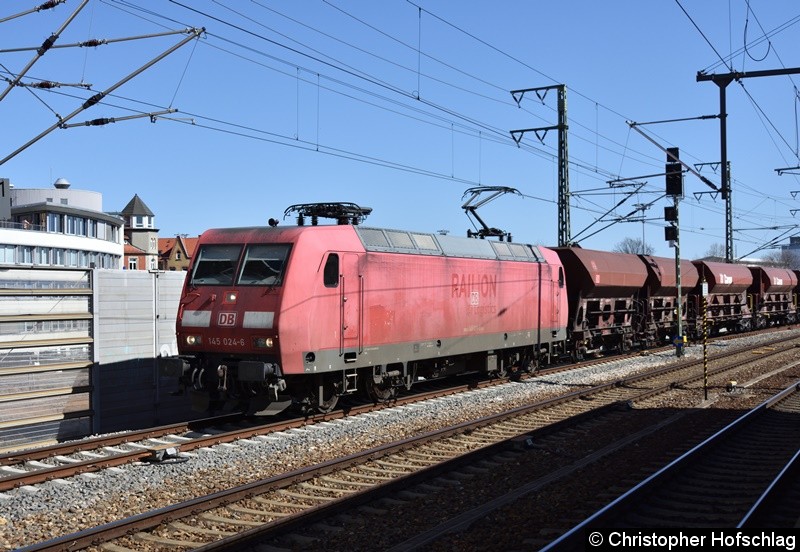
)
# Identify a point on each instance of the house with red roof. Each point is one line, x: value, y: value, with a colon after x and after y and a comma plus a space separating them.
x: 175, y: 253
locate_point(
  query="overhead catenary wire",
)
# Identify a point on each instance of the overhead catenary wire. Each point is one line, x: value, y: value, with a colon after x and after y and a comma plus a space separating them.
x: 482, y: 126
x: 49, y: 5
x: 193, y: 34
x: 484, y: 135
x: 42, y: 50
x: 415, y: 5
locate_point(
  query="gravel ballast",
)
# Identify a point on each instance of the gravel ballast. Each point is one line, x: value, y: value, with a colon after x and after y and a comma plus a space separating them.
x: 33, y: 514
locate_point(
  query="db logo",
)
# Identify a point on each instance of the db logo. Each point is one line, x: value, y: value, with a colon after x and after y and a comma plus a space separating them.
x: 226, y: 319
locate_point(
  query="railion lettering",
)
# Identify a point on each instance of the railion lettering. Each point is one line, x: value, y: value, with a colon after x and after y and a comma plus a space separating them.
x: 464, y: 285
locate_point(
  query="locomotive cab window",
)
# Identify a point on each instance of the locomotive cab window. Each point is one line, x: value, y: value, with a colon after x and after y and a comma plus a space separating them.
x: 330, y: 274
x: 216, y: 265
x: 264, y: 264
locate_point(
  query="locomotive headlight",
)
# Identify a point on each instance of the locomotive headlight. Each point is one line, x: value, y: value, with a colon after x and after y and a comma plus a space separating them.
x: 263, y: 342
x: 193, y: 340
x: 230, y: 296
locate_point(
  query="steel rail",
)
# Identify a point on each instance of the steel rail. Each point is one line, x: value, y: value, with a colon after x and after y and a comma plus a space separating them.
x: 154, y: 518
x: 573, y: 539
x: 150, y: 452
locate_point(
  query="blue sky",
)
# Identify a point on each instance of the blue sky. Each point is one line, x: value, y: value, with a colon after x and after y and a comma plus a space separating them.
x: 402, y: 106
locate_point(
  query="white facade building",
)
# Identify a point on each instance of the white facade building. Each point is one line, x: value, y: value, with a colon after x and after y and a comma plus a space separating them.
x: 58, y: 227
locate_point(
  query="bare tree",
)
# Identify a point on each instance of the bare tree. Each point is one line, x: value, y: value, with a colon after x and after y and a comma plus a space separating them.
x: 716, y: 250
x: 635, y: 246
x: 783, y: 258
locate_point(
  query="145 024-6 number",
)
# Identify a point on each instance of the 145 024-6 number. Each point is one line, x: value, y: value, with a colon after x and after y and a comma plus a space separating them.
x: 227, y: 341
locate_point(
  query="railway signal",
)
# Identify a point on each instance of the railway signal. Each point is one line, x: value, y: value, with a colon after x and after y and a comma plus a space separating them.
x: 674, y: 188
x: 674, y: 171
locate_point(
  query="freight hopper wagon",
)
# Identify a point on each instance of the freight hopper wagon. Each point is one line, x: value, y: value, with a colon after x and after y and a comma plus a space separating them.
x: 604, y: 299
x: 660, y: 298
x: 772, y: 299
x: 727, y: 308
x: 312, y: 313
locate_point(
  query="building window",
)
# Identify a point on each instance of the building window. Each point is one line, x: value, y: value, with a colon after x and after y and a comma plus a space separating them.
x: 7, y: 253
x: 133, y: 263
x: 177, y: 254
x: 54, y: 222
x: 43, y: 255
x: 24, y: 254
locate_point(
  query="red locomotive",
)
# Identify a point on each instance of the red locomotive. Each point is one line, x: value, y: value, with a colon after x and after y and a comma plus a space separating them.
x: 310, y: 313
x: 316, y: 312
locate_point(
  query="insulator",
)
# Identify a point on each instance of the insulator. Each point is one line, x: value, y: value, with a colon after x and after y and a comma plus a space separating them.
x: 48, y: 5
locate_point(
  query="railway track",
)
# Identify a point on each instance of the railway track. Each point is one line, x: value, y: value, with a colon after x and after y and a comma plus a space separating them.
x: 67, y: 460
x: 63, y: 461
x: 739, y: 477
x: 283, y: 503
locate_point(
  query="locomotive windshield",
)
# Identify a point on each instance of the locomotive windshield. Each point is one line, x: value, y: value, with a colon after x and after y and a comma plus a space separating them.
x: 216, y: 265
x: 264, y: 265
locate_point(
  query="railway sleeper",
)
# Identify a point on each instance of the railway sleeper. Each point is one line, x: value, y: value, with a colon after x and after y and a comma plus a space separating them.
x: 303, y: 496
x: 230, y: 521
x: 253, y: 511
x: 149, y: 537
x: 337, y: 481
x: 322, y: 488
x: 180, y: 526
x: 279, y: 504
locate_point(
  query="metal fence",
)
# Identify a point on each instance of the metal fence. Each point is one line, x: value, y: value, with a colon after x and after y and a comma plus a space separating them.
x: 78, y: 352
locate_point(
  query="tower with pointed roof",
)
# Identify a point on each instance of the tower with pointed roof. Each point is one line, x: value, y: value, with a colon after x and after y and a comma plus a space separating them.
x: 141, y: 233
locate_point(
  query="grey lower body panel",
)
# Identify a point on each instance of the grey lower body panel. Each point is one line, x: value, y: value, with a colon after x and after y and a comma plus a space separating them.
x: 382, y: 355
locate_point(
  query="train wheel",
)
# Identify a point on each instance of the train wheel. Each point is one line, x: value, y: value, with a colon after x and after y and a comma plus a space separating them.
x: 322, y: 399
x: 379, y: 391
x: 326, y: 406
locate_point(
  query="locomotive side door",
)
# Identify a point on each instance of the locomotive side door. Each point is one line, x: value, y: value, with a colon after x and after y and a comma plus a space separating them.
x: 558, y: 289
x: 350, y: 297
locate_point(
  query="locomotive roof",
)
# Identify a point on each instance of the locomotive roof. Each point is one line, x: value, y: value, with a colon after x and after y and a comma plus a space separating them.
x: 388, y: 240
x: 420, y: 243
